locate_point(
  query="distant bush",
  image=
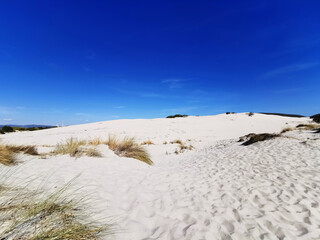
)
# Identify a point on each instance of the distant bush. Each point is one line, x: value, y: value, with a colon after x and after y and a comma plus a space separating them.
x: 227, y: 113
x: 2, y: 132
x: 7, y: 129
x: 316, y: 118
x: 250, y: 114
x: 177, y: 115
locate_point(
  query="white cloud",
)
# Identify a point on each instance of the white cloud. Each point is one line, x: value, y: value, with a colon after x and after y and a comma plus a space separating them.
x: 290, y: 68
x: 7, y: 119
x: 174, y: 83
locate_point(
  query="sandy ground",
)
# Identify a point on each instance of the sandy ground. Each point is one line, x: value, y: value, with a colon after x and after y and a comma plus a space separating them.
x: 219, y: 190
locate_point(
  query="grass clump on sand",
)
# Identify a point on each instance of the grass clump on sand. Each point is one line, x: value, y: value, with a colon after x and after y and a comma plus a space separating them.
x: 6, y: 156
x: 253, y: 138
x: 310, y: 126
x: 7, y: 153
x: 71, y: 146
x: 28, y: 215
x: 182, y: 146
x: 128, y: 147
x: 287, y: 129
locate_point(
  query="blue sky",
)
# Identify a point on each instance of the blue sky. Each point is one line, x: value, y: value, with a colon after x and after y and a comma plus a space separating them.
x: 85, y: 61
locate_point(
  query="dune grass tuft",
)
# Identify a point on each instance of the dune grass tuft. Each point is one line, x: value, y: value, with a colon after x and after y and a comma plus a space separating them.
x: 71, y: 146
x: 128, y: 147
x: 30, y: 215
x: 31, y: 150
x: 310, y: 126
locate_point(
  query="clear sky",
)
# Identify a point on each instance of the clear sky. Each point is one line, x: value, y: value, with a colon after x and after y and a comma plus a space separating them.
x: 85, y: 61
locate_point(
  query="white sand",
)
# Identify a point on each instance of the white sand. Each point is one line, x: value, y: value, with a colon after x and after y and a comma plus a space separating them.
x: 219, y: 190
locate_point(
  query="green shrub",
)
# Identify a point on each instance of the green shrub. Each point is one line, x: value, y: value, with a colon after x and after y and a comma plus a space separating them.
x: 7, y: 129
x: 177, y: 115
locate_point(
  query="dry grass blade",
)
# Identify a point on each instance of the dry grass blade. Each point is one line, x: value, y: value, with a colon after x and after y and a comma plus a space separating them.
x: 129, y: 148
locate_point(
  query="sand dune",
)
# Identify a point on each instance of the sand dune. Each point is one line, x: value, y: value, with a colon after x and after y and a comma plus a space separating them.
x: 219, y: 190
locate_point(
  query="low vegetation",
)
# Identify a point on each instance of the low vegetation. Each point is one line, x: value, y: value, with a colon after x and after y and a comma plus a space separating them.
x: 91, y: 152
x: 8, y: 152
x: 284, y: 115
x: 316, y: 118
x: 71, y: 147
x: 253, y: 138
x: 96, y: 142
x: 287, y: 129
x: 128, y: 147
x: 310, y: 126
x: 32, y: 216
x: 250, y: 114
x: 177, y: 116
x: 182, y: 146
x: 148, y: 142
x: 8, y: 129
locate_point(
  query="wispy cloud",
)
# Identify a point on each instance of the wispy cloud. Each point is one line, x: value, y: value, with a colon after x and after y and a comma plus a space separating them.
x: 290, y: 68
x: 174, y: 83
x: 287, y: 90
x: 7, y: 119
x: 119, y: 107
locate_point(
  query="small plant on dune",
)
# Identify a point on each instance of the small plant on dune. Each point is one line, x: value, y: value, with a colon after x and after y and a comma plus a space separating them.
x: 71, y: 146
x: 128, y: 148
x: 182, y: 145
x: 165, y: 142
x: 250, y: 114
x: 6, y: 156
x: 148, y: 142
x: 178, y: 141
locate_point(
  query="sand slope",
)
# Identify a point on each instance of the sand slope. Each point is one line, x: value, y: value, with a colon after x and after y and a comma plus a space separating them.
x: 220, y: 190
